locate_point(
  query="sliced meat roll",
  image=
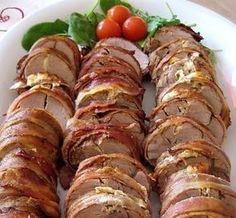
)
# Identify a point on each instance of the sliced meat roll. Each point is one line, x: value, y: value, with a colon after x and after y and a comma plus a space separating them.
x: 178, y: 65
x: 63, y: 44
x: 121, y: 162
x: 118, y: 52
x: 28, y: 183
x: 19, y: 158
x: 36, y: 116
x: 118, y: 72
x: 92, y: 140
x: 196, y: 156
x: 12, y: 205
x: 32, y: 144
x: 29, y: 129
x: 110, y: 114
x: 110, y: 90
x: 105, y: 177
x: 172, y: 131
x: 172, y: 47
x: 54, y: 100
x: 50, y: 62
x: 197, y: 185
x: 172, y: 72
x: 200, y: 207
x: 125, y: 44
x: 169, y: 33
x: 193, y: 107
x: 13, y: 213
x: 199, y: 84
x: 107, y: 202
x: 107, y: 61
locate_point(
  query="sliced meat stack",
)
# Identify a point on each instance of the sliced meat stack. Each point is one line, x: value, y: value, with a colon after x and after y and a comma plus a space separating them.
x: 187, y: 128
x: 104, y: 138
x: 32, y: 133
x: 113, y: 185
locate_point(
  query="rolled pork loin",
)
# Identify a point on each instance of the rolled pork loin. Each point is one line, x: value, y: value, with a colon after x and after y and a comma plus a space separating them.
x: 92, y: 140
x: 197, y: 185
x: 123, y: 163
x: 193, y: 156
x: 53, y: 99
x: 140, y: 56
x: 193, y: 107
x: 107, y: 202
x: 172, y: 131
x: 199, y: 84
x: 169, y: 33
x: 117, y: 52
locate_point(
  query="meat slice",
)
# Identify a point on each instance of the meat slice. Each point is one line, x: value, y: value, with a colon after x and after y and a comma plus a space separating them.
x: 172, y: 47
x: 193, y: 156
x: 201, y: 207
x: 27, y: 183
x: 47, y: 61
x: 198, y: 185
x: 121, y: 162
x: 37, y: 116
x: 54, y: 100
x: 29, y: 129
x: 92, y: 140
x: 173, y: 71
x: 63, y: 44
x: 19, y: 158
x: 106, y: 61
x: 31, y: 144
x: 104, y: 177
x: 110, y: 90
x: 119, y: 72
x: 172, y: 131
x: 193, y: 107
x: 133, y: 120
x: 180, y: 63
x: 13, y: 213
x: 107, y: 202
x: 200, y: 85
x: 15, y: 203
x: 118, y: 52
x: 169, y: 33
x: 141, y: 57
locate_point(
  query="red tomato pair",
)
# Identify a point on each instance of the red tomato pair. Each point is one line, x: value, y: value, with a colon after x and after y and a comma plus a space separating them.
x: 120, y: 22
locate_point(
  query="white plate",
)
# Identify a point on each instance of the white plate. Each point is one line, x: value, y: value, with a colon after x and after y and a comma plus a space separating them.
x: 219, y: 33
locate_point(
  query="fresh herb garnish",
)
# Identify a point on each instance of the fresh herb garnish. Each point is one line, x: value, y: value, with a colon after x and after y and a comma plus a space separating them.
x: 105, y: 5
x: 82, y: 28
x: 43, y: 29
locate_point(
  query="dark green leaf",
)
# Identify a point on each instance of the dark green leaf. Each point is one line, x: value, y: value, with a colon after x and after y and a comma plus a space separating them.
x: 105, y: 5
x: 83, y: 29
x: 43, y: 29
x: 95, y: 17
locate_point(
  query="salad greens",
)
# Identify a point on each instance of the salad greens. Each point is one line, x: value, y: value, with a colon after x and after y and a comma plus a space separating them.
x: 43, y: 29
x: 82, y: 27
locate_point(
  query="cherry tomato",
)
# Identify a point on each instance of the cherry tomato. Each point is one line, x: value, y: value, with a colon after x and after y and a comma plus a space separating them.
x: 119, y: 14
x: 108, y: 28
x: 134, y: 28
